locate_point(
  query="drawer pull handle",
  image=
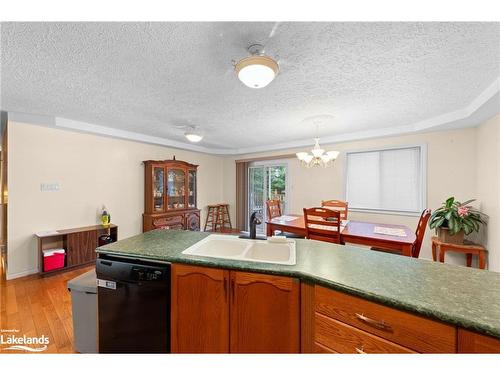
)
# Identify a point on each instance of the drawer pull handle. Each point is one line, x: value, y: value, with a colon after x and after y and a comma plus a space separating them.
x: 360, y: 351
x: 380, y: 324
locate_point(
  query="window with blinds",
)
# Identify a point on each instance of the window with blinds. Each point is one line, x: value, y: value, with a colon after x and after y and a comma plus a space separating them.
x: 388, y: 180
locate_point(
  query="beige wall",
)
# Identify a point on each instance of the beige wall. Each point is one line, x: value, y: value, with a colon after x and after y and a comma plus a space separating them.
x: 451, y: 170
x: 92, y: 171
x: 488, y: 185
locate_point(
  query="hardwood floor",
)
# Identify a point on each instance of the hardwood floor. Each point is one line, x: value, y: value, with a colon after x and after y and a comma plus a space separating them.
x: 38, y: 306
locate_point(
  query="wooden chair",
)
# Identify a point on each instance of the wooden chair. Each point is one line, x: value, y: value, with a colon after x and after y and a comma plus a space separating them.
x: 322, y: 224
x: 336, y: 205
x: 419, y: 233
x: 273, y: 208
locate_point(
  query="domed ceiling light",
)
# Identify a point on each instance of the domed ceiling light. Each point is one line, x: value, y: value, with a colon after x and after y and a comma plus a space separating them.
x: 258, y: 70
x: 193, y: 135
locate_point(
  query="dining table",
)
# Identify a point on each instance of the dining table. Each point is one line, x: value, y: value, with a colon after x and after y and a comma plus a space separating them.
x: 353, y: 231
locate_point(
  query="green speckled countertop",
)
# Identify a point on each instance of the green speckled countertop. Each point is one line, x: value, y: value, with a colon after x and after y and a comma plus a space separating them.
x: 467, y: 297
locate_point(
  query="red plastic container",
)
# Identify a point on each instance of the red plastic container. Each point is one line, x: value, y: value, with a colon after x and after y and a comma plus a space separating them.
x: 53, y: 259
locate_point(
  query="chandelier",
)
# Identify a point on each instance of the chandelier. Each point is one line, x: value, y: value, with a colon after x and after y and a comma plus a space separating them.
x: 317, y: 157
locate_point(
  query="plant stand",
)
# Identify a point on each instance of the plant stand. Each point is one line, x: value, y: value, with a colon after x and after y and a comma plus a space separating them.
x: 468, y: 248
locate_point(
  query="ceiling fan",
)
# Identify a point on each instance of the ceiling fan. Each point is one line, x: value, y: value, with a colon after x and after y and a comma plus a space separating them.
x: 258, y: 69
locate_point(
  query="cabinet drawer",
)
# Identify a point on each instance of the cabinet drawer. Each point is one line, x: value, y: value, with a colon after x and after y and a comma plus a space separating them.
x: 346, y: 339
x: 412, y: 331
x: 169, y: 222
x: 321, y: 349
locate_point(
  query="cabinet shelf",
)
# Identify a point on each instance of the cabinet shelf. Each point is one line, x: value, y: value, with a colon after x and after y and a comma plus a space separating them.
x: 79, y: 244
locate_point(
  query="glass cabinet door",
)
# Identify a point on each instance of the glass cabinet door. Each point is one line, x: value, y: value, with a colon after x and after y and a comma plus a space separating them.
x: 158, y: 185
x: 192, y: 189
x: 176, y: 189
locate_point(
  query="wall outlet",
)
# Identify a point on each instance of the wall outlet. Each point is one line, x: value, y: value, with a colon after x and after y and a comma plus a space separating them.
x: 53, y: 186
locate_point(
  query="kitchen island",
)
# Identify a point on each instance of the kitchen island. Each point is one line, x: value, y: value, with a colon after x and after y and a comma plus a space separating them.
x: 462, y: 301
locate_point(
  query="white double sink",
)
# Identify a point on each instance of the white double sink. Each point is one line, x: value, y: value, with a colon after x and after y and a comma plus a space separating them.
x: 230, y: 247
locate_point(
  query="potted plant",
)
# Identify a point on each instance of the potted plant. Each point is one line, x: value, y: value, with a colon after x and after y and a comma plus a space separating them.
x: 454, y: 219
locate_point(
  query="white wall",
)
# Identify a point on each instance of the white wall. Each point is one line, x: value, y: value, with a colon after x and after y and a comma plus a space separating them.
x: 92, y: 171
x: 451, y: 170
x: 488, y: 185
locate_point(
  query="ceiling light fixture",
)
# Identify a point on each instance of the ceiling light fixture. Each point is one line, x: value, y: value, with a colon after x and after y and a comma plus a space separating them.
x: 256, y: 71
x: 317, y: 157
x: 192, y: 135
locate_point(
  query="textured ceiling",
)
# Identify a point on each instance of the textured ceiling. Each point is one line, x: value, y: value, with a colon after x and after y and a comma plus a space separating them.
x: 151, y: 78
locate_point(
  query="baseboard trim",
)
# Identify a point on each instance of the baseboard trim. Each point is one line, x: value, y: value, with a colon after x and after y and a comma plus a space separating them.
x: 17, y: 275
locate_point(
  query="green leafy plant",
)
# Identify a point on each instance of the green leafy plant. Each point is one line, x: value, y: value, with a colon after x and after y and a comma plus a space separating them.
x: 456, y: 216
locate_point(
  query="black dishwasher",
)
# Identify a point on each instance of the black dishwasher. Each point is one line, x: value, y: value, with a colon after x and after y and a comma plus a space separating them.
x: 133, y: 305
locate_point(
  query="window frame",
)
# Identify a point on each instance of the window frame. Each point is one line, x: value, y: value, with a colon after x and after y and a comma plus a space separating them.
x: 423, y: 180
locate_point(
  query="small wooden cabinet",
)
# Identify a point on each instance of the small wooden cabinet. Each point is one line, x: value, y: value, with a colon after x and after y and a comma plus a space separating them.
x: 220, y: 311
x: 170, y: 193
x: 80, y: 244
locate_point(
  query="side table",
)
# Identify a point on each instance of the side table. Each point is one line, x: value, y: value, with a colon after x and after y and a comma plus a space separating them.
x: 468, y: 248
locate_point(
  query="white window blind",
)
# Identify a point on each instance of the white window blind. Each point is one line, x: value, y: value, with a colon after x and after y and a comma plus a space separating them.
x: 386, y: 180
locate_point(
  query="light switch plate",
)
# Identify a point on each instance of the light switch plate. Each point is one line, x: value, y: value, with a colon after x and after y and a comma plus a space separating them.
x: 52, y: 186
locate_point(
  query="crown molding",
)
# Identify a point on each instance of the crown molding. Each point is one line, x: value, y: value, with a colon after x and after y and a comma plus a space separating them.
x: 434, y: 123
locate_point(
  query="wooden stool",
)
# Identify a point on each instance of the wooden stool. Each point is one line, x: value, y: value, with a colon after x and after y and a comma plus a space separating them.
x: 212, y: 217
x: 468, y: 248
x: 223, y: 217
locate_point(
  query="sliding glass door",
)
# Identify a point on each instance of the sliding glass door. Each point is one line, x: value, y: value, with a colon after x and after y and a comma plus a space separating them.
x: 267, y: 181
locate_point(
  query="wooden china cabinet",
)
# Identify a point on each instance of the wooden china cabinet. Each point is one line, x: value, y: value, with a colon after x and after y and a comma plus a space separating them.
x: 170, y: 195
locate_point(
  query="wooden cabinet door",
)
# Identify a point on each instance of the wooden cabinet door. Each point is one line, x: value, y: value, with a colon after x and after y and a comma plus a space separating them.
x: 193, y: 221
x: 81, y: 247
x: 200, y: 310
x: 176, y: 186
x: 471, y: 342
x: 265, y: 313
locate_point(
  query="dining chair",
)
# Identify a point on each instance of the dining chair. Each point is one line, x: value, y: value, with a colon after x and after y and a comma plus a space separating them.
x: 273, y: 207
x: 322, y: 224
x: 419, y: 233
x: 336, y: 205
